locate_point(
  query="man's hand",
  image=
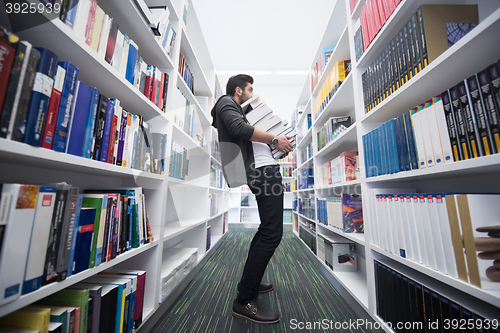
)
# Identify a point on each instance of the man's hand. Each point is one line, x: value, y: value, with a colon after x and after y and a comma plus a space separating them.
x: 283, y: 144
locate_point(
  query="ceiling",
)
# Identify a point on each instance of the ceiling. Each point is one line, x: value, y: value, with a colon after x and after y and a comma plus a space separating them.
x: 275, y: 41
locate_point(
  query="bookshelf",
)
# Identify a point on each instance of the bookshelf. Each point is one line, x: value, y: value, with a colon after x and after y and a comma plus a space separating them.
x: 477, y: 175
x: 169, y: 200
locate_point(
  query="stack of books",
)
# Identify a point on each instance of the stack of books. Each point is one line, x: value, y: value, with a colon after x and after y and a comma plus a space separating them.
x: 261, y: 116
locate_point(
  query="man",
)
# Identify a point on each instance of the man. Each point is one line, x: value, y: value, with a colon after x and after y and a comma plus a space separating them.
x: 247, y: 159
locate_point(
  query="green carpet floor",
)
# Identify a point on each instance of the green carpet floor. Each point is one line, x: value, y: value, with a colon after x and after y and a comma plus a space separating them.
x: 301, y: 292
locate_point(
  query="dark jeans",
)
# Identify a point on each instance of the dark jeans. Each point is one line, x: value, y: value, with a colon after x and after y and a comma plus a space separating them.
x: 268, y: 191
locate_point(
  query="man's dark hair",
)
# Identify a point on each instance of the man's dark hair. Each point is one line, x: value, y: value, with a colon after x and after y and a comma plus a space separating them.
x: 239, y: 80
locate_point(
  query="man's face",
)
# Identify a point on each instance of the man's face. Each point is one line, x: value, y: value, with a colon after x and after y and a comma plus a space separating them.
x: 247, y: 93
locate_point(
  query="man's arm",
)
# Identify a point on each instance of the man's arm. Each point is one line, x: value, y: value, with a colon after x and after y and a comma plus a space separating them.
x: 283, y: 144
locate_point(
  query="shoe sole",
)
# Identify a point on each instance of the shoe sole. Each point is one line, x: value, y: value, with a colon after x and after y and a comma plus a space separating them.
x: 255, y: 321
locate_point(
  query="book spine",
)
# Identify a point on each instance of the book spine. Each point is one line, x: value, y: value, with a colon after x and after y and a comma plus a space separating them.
x: 7, y: 57
x: 67, y: 233
x: 74, y: 231
x: 479, y: 114
x: 17, y: 123
x: 494, y: 74
x: 66, y: 107
x: 470, y: 122
x: 450, y: 121
x: 421, y: 36
x: 458, y: 112
x: 121, y: 140
x: 99, y: 127
x: 108, y: 123
x: 90, y: 125
x: 53, y: 109
x: 14, y: 87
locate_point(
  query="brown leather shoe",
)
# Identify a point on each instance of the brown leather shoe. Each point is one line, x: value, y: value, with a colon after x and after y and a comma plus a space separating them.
x: 255, y: 312
x: 264, y: 287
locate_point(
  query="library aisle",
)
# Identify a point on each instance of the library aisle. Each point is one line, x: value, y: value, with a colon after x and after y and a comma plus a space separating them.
x: 301, y: 293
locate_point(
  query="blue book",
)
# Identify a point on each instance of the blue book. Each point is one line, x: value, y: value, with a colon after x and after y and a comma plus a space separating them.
x: 40, y: 95
x: 79, y: 122
x: 84, y: 239
x: 90, y: 123
x: 107, y: 129
x: 66, y: 106
x: 71, y: 15
x: 410, y: 137
x: 75, y: 230
x: 133, y: 53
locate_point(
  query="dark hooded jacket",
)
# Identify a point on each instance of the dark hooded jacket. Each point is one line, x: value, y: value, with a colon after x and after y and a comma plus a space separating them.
x: 238, y: 164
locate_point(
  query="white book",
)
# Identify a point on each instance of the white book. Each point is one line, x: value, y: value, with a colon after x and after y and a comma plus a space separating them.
x: 446, y: 238
x: 386, y: 224
x: 81, y: 18
x: 398, y: 218
x: 426, y: 135
x: 126, y: 145
x: 479, y: 215
x: 143, y: 8
x: 279, y: 128
x: 254, y: 102
x: 134, y: 127
x: 117, y: 55
x: 103, y: 39
x: 266, y: 124
x: 379, y: 211
x: 96, y: 32
x: 125, y: 50
x: 419, y: 140
x: 435, y: 233
x: 407, y: 228
x: 416, y: 219
x: 39, y: 238
x: 258, y: 113
x: 435, y: 134
x: 372, y: 212
x: 17, y: 212
x: 393, y: 225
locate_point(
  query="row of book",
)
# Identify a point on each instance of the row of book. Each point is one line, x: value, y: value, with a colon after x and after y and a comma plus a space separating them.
x: 332, y: 83
x: 50, y: 232
x: 111, y: 301
x: 216, y: 176
x: 179, y: 161
x: 47, y: 106
x: 338, y: 253
x: 320, y: 65
x: 305, y: 206
x: 307, y: 232
x: 374, y: 14
x: 184, y: 113
x: 406, y: 305
x: 306, y: 153
x: 286, y: 171
x: 343, y: 212
x: 341, y: 169
x: 102, y: 33
x: 186, y: 72
x: 305, y: 178
x: 426, y: 35
x: 459, y: 124
x: 161, y: 26
x: 331, y: 129
x: 450, y: 233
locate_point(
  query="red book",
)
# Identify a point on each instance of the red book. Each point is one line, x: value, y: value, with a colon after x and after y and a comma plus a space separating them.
x: 147, y: 82
x: 112, y: 138
x: 382, y: 11
x: 162, y: 84
x: 153, y: 85
x: 7, y: 53
x: 53, y: 109
x: 90, y: 21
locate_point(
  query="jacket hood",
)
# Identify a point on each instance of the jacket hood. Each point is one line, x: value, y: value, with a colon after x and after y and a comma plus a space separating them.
x: 221, y: 102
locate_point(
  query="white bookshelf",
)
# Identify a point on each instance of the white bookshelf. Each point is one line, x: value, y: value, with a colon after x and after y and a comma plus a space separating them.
x: 170, y: 201
x: 472, y: 53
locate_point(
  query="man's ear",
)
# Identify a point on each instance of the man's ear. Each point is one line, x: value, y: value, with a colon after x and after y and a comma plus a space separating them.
x: 238, y: 91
